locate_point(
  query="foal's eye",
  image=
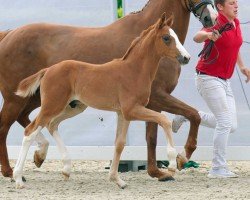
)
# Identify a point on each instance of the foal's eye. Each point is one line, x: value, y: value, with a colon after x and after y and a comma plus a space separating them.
x: 166, y: 38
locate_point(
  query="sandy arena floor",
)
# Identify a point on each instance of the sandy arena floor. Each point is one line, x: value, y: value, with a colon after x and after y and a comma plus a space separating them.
x: 89, y: 180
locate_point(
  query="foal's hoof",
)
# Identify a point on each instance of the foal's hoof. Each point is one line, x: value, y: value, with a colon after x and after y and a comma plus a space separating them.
x: 181, y: 160
x: 37, y: 159
x: 20, y: 185
x: 167, y: 178
x: 122, y: 185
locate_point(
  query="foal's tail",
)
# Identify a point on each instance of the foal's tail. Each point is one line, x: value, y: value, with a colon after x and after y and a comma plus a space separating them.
x: 28, y: 86
x: 3, y: 34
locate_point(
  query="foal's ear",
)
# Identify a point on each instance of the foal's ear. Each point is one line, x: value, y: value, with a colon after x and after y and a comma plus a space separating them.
x: 170, y: 20
x: 162, y: 21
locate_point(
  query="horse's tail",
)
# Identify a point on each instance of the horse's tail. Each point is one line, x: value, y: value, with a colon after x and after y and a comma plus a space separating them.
x: 3, y: 34
x: 29, y: 86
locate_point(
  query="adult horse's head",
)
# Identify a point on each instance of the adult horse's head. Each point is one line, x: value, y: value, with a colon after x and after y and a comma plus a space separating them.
x: 202, y: 9
x: 167, y: 41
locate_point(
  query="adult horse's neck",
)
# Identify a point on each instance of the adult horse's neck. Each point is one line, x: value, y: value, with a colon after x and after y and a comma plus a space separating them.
x: 153, y: 11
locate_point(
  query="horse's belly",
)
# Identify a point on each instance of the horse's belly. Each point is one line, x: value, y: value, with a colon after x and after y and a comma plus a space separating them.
x: 100, y: 101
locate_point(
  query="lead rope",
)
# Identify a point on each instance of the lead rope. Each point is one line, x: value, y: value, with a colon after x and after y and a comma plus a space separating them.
x: 244, y: 23
x: 244, y: 92
x: 238, y: 74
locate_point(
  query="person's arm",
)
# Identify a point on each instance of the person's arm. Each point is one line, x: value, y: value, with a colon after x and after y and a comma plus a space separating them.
x: 244, y: 70
x: 202, y: 35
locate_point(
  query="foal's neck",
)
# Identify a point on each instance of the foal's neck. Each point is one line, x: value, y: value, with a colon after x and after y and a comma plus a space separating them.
x: 144, y: 58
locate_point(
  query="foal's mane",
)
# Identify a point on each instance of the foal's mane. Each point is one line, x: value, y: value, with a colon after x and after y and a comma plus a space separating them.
x: 137, y: 40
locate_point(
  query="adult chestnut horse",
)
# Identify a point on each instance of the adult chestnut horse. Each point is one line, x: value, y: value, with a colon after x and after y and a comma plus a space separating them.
x: 125, y: 88
x: 28, y: 49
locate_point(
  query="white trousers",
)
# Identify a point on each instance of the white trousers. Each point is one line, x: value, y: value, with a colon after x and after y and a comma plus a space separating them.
x: 218, y: 95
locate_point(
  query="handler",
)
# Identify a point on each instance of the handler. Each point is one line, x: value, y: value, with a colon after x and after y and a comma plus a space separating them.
x: 213, y: 84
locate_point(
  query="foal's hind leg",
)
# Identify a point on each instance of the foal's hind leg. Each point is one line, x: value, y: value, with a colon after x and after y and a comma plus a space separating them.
x: 45, y: 116
x: 43, y: 143
x: 64, y: 153
x: 120, y: 141
x: 11, y: 108
x: 53, y: 129
x: 27, y: 141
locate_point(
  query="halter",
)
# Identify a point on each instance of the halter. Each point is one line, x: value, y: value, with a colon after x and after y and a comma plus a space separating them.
x: 192, y: 7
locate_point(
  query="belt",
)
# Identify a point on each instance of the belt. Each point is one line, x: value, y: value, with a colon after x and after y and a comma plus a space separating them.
x: 203, y: 73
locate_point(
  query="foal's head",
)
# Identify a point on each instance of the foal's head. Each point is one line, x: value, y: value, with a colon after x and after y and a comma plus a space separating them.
x: 167, y: 42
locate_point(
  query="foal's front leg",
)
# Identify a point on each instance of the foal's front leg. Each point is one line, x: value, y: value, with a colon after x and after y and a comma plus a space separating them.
x: 120, y: 141
x: 144, y: 114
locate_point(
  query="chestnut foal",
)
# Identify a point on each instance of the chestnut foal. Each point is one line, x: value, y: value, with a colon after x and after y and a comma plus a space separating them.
x: 122, y: 85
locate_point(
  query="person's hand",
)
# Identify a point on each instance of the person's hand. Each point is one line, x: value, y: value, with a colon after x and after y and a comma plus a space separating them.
x: 215, y: 35
x: 246, y: 72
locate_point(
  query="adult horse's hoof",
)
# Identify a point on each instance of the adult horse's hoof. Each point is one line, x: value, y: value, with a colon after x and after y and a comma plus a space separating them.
x: 37, y: 159
x: 181, y: 160
x: 8, y: 173
x: 168, y: 178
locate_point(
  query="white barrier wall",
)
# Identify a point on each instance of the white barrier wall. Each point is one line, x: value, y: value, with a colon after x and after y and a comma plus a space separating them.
x: 97, y: 128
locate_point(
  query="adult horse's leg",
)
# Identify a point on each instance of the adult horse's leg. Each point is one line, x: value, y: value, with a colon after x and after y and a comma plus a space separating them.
x: 23, y: 120
x: 12, y: 106
x: 120, y: 141
x: 151, y: 137
x: 170, y: 104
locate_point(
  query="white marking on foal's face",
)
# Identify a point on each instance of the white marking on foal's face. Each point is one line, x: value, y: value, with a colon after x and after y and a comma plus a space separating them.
x: 179, y: 46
